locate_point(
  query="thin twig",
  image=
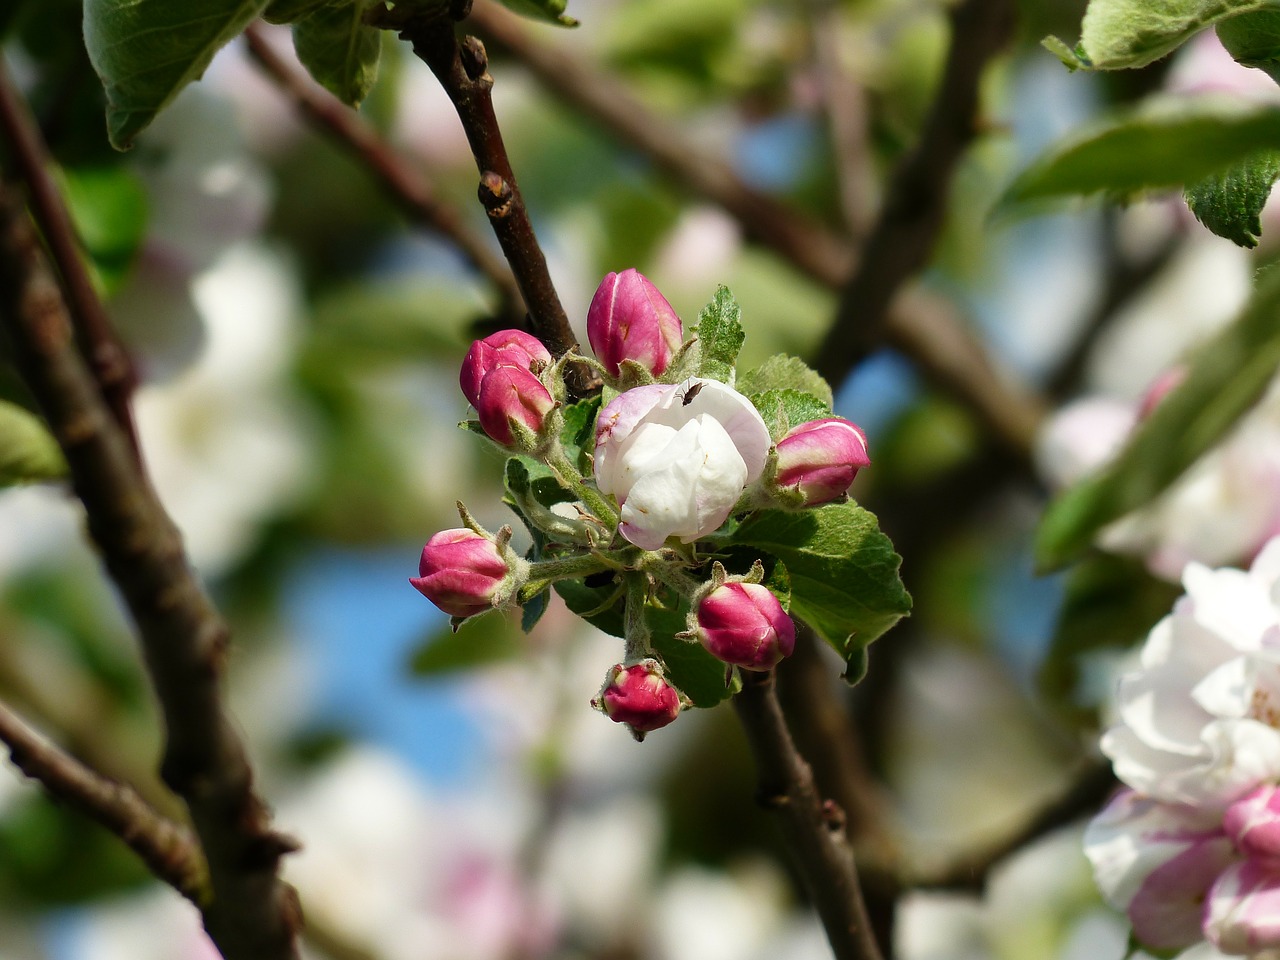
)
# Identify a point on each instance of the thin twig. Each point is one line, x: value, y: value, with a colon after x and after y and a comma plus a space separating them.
x: 405, y: 185
x: 463, y: 72
x: 813, y: 828
x: 902, y: 240
x: 167, y: 848
x: 844, y: 106
x: 923, y: 328
x: 251, y: 914
x: 108, y: 358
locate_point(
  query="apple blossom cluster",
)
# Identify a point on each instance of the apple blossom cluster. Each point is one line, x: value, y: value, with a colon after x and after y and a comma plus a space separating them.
x: 633, y: 499
x: 1190, y: 848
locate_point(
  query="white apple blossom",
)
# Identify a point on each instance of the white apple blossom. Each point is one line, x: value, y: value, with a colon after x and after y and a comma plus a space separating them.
x: 678, y: 457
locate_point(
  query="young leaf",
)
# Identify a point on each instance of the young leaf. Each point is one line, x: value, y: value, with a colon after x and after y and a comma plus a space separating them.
x: 288, y: 11
x: 146, y: 51
x: 843, y: 570
x: 1226, y: 378
x: 28, y: 452
x: 781, y: 372
x: 784, y: 409
x: 1230, y: 203
x: 1254, y: 40
x: 1169, y: 143
x: 720, y: 336
x: 108, y: 205
x: 552, y: 11
x: 1117, y: 34
x: 339, y: 50
x: 481, y: 640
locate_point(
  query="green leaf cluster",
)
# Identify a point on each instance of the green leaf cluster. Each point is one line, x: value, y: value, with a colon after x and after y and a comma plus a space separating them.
x: 1224, y: 381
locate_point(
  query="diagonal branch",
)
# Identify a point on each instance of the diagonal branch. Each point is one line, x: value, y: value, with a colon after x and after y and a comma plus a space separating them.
x: 902, y: 240
x: 167, y: 848
x: 463, y: 72
x: 252, y: 914
x: 402, y: 182
x: 924, y: 328
x: 107, y: 356
x: 813, y: 828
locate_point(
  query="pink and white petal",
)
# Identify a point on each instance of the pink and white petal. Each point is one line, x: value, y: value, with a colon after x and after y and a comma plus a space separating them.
x: 1242, y: 913
x: 1156, y: 773
x: 1230, y: 603
x: 740, y: 419
x: 1179, y: 639
x: 1243, y: 754
x: 1157, y: 706
x: 1227, y: 691
x: 615, y: 423
x: 1266, y: 568
x: 1133, y: 836
x: 1167, y: 910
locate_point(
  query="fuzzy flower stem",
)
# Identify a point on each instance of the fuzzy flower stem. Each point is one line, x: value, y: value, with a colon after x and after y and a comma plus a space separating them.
x: 635, y: 629
x: 543, y: 573
x: 571, y: 479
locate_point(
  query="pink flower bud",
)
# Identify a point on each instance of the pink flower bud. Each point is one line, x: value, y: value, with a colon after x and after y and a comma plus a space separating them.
x: 745, y: 625
x: 1242, y: 911
x: 821, y: 458
x: 506, y: 348
x: 630, y: 320
x: 512, y: 394
x: 1253, y: 824
x: 460, y: 572
x: 638, y: 696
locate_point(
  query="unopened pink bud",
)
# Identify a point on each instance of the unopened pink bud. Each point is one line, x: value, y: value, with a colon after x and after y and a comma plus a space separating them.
x: 512, y: 394
x: 460, y: 572
x: 509, y: 348
x: 1253, y: 824
x: 821, y: 458
x: 638, y: 696
x: 745, y: 625
x: 630, y: 320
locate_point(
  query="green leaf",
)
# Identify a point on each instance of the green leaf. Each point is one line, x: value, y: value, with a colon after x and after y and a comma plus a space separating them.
x: 552, y: 11
x: 1111, y: 603
x: 28, y: 452
x: 578, y: 436
x: 146, y: 51
x: 1169, y: 143
x: 1131, y: 33
x: 288, y: 11
x: 784, y: 409
x: 481, y: 640
x: 339, y: 50
x: 720, y: 336
x: 1226, y: 378
x: 844, y: 571
x: 1230, y: 203
x: 781, y: 372
x: 1254, y: 40
x: 108, y: 206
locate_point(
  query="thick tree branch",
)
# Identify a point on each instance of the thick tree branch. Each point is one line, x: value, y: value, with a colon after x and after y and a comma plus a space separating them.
x: 406, y: 187
x: 923, y: 328
x: 252, y: 915
x: 463, y: 72
x: 167, y: 848
x: 902, y: 240
x: 813, y: 828
x: 107, y: 357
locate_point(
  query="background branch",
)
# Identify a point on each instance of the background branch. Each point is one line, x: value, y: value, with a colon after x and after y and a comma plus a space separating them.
x: 107, y: 356
x: 405, y: 185
x: 252, y: 915
x: 927, y: 330
x: 915, y: 207
x: 813, y: 828
x: 167, y: 848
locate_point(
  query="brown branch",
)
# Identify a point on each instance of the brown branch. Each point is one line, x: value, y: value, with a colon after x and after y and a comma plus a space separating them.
x: 107, y: 357
x: 167, y: 848
x: 463, y: 72
x: 406, y: 187
x: 1085, y: 795
x: 902, y: 240
x: 813, y: 828
x: 928, y: 332
x: 252, y: 914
